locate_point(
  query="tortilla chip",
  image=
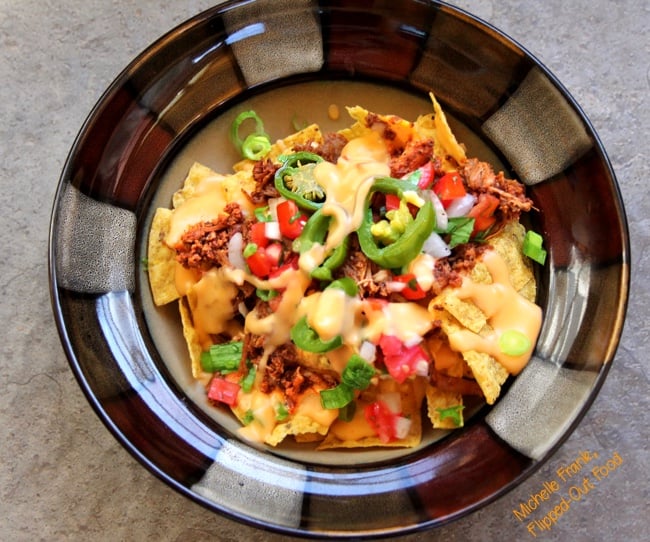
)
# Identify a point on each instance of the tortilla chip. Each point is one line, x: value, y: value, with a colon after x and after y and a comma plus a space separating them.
x: 466, y: 312
x: 401, y: 130
x: 299, y: 426
x: 191, y: 338
x: 438, y: 399
x: 264, y: 425
x: 411, y: 397
x: 161, y: 262
x: 197, y: 174
x: 445, y: 135
x: 488, y: 372
x: 508, y: 243
x: 309, y: 134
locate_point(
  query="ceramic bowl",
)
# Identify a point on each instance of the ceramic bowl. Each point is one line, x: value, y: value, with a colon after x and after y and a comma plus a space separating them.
x: 508, y: 106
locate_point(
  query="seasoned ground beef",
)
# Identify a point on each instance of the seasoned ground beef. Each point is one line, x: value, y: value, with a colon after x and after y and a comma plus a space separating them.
x: 263, y: 174
x: 285, y: 374
x: 480, y: 178
x: 205, y: 245
x: 329, y: 149
x: 415, y: 155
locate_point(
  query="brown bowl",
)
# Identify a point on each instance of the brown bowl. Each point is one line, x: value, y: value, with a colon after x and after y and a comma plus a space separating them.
x: 503, y: 98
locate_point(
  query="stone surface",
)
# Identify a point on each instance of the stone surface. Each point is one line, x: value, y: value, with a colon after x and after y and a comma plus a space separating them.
x: 64, y: 477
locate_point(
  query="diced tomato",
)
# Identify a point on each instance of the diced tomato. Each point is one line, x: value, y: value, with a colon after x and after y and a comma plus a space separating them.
x: 258, y: 234
x: 265, y: 260
x: 392, y: 202
x: 426, y: 176
x: 381, y: 420
x: 292, y: 220
x: 483, y: 212
x: 401, y: 361
x: 223, y: 391
x: 290, y: 263
x: 259, y: 264
x: 412, y: 291
x: 449, y: 187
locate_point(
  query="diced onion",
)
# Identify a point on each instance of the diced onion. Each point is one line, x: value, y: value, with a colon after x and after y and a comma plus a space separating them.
x: 413, y: 341
x: 272, y: 230
x: 242, y: 308
x: 402, y: 427
x: 395, y: 286
x: 235, y: 249
x: 441, y: 214
x: 273, y: 208
x: 461, y: 206
x: 368, y: 351
x: 422, y: 368
x: 435, y: 246
x: 393, y: 400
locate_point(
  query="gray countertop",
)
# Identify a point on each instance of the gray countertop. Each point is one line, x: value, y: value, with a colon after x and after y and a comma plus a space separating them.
x: 64, y: 477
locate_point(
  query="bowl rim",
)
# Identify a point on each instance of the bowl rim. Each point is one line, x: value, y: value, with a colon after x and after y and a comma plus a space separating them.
x: 187, y: 26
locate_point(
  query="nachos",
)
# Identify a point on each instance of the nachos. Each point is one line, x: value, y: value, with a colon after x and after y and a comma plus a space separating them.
x: 347, y: 288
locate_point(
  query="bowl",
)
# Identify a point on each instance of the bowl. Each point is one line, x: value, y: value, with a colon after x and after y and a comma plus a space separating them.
x: 296, y: 57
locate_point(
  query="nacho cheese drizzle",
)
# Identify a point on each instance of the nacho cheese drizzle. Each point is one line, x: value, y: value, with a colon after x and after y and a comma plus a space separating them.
x: 390, y: 328
x: 505, y: 309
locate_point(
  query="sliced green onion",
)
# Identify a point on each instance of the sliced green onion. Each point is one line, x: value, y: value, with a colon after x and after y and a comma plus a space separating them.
x: 263, y: 214
x: 346, y: 413
x: 247, y: 381
x: 281, y: 412
x: 222, y: 358
x: 532, y: 247
x: 514, y: 343
x: 337, y: 397
x: 239, y: 120
x: 306, y: 338
x: 256, y: 146
x: 248, y: 417
x: 357, y: 373
x: 454, y: 412
x: 266, y: 295
x: 347, y: 284
x: 249, y: 250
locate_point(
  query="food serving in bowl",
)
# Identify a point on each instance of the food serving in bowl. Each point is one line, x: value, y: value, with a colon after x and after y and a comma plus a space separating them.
x: 335, y: 280
x: 130, y: 356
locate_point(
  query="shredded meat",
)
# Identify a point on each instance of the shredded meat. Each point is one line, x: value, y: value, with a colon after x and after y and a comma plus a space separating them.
x: 480, y: 178
x: 263, y: 174
x: 205, y: 245
x: 284, y: 373
x: 465, y: 256
x: 415, y: 155
x: 329, y: 149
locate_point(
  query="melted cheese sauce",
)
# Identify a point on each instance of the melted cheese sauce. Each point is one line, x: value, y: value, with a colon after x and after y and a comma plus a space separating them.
x: 505, y: 309
x: 331, y: 312
x: 347, y: 184
x: 211, y: 306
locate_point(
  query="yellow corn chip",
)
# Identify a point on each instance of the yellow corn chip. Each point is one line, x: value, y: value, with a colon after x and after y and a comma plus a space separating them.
x: 440, y: 400
x: 161, y: 263
x: 197, y: 174
x: 309, y: 134
x: 466, y: 312
x: 489, y: 374
x: 358, y: 434
x: 191, y: 338
x: 444, y: 134
x: 402, y: 131
x: 508, y: 243
x: 309, y: 422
